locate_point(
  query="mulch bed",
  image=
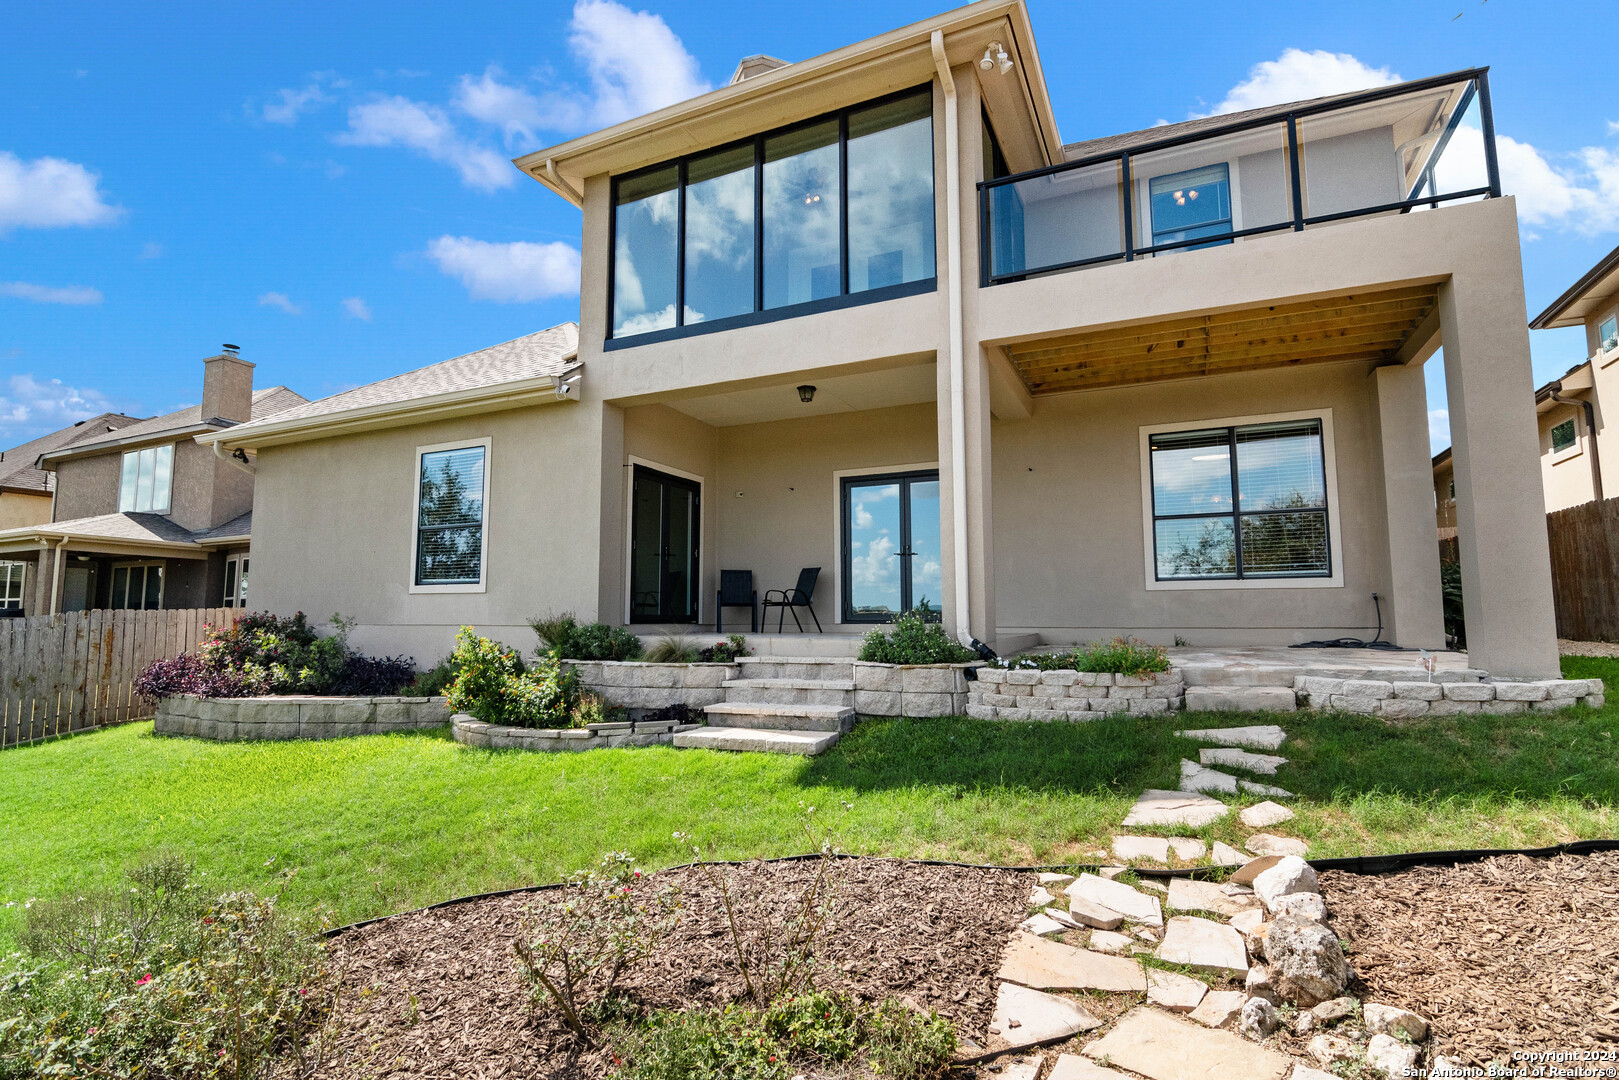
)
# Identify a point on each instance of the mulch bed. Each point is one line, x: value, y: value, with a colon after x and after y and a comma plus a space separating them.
x: 437, y: 994
x: 1508, y: 954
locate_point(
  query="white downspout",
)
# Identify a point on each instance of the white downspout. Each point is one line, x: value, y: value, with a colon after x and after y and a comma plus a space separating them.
x: 56, y: 576
x: 958, y: 374
x: 231, y: 459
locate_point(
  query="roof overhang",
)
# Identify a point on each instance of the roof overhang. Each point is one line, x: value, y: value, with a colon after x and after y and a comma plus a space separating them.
x: 516, y: 393
x: 867, y: 69
x: 31, y: 540
x: 1579, y: 380
x: 150, y: 438
x: 1574, y: 306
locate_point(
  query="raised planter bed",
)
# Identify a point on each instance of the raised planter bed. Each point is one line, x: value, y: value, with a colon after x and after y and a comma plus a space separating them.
x: 1027, y: 694
x: 641, y: 687
x: 470, y: 732
x: 1404, y: 699
x: 280, y: 718
x: 918, y: 690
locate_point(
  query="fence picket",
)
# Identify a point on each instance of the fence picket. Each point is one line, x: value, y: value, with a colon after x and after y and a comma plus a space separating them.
x: 1584, y: 540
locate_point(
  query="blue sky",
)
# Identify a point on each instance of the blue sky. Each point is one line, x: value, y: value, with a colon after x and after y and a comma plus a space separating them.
x: 326, y: 184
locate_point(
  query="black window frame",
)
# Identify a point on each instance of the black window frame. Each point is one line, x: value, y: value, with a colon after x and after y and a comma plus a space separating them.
x: 761, y: 314
x: 846, y: 533
x: 1237, y: 513
x: 1573, y: 436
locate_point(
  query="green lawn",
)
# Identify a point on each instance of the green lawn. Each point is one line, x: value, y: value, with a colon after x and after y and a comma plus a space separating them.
x: 377, y: 824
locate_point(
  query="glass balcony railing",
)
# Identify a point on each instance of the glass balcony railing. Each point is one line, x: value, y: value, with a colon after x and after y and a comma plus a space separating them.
x: 1397, y: 150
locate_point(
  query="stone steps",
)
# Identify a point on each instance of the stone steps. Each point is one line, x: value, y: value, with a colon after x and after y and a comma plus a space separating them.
x: 1241, y: 698
x: 781, y: 717
x: 757, y: 740
x: 797, y: 667
x: 839, y: 692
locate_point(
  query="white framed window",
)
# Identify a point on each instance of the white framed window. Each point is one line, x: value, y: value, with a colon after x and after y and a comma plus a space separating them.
x: 136, y: 586
x: 11, y: 585
x: 1608, y: 334
x: 236, y: 567
x: 147, y: 480
x: 450, y: 522
x: 1245, y: 502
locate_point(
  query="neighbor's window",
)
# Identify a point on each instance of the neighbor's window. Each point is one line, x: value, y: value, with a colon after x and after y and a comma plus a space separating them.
x: 1192, y: 204
x: 833, y: 207
x: 11, y: 577
x: 236, y: 581
x: 146, y: 480
x: 1608, y: 334
x: 1563, y: 436
x: 1240, y: 502
x: 137, y: 586
x: 450, y: 515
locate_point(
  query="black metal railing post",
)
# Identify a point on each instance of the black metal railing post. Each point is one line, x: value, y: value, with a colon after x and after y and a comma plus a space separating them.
x: 1127, y: 207
x: 1486, y: 117
x: 1294, y: 175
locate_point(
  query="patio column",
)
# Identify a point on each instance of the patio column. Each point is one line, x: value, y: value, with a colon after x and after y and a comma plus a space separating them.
x: 1414, y: 608
x: 1500, y: 506
x: 979, y: 524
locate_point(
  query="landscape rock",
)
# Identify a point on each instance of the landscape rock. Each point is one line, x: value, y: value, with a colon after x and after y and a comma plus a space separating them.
x: 1187, y: 848
x: 1195, y: 777
x: 1022, y: 1068
x: 1159, y: 807
x: 1304, y: 1072
x: 1252, y: 868
x: 1041, y: 924
x: 1219, y: 1007
x: 1258, y: 1019
x: 1115, y: 896
x: 1303, y: 905
x: 1226, y: 855
x: 1388, y: 1020
x: 1038, y: 1017
x: 1040, y: 897
x: 1329, y: 1049
x: 1107, y: 941
x: 1390, y: 1056
x: 1111, y: 872
x: 1259, y: 983
x: 1050, y: 965
x: 1330, y: 1012
x: 1253, y: 788
x: 1266, y: 844
x: 1203, y: 944
x: 1165, y: 1047
x: 1244, y: 921
x: 1305, y: 960
x: 1089, y: 913
x: 1128, y: 848
x: 1154, y: 884
x: 1187, y: 894
x: 1259, y: 737
x: 1177, y: 993
x: 1264, y: 815
x: 1048, y: 877
x: 1072, y: 1067
x: 1266, y: 764
x: 1288, y: 875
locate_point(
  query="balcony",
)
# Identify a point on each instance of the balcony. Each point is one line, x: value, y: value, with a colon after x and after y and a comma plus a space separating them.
x: 1396, y: 150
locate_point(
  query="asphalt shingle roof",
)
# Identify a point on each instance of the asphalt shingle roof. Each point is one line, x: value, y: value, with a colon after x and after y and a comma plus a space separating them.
x: 140, y: 527
x: 270, y: 401
x: 17, y: 464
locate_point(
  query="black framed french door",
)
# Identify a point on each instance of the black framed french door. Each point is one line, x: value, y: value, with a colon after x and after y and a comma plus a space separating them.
x: 665, y: 518
x: 891, y: 555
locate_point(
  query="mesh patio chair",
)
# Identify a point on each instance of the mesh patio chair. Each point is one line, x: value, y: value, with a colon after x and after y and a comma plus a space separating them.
x: 736, y: 590
x: 800, y: 596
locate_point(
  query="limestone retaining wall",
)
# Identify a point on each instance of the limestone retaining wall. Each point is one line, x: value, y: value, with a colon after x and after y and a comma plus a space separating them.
x: 273, y: 718
x: 470, y: 732
x: 1026, y: 694
x: 641, y: 687
x: 912, y: 689
x: 1403, y: 700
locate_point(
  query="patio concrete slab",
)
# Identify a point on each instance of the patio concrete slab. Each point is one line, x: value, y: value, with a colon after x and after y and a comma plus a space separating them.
x: 1259, y: 736
x: 1164, y: 1047
x: 1025, y: 1017
x: 1117, y: 896
x: 1159, y: 807
x: 1049, y: 965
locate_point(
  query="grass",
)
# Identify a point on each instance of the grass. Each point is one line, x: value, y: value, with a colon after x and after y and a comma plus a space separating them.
x: 382, y: 823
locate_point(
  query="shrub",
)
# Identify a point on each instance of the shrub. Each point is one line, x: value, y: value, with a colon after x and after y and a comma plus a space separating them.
x: 564, y: 638
x: 492, y: 685
x: 673, y: 649
x: 434, y: 681
x: 161, y: 980
x: 592, y: 708
x: 1122, y: 656
x: 916, y: 637
x: 375, y: 676
x: 1450, y: 590
x: 725, y: 652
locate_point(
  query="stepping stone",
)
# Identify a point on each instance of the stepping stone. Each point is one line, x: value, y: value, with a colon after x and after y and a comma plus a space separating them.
x: 1082, y: 912
x: 1244, y: 921
x: 1252, y: 868
x: 1050, y: 965
x: 1164, y: 1047
x: 1119, y: 897
x: 1040, y: 925
x: 1175, y: 992
x: 1022, y: 1069
x: 1186, y: 894
x: 1049, y: 878
x: 1040, y: 897
x: 1253, y: 788
x: 1159, y: 807
x: 1195, y: 777
x: 1188, y: 848
x: 1219, y: 1008
x: 1259, y: 737
x: 1205, y: 945
x: 1241, y: 759
x: 1266, y: 844
x: 1110, y: 942
x: 1265, y: 814
x: 1149, y: 883
x: 1040, y: 1018
x: 1226, y: 855
x: 1127, y: 848
x: 1069, y: 1067
x: 1304, y: 1072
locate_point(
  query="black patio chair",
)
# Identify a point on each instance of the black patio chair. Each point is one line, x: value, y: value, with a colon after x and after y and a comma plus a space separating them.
x: 736, y: 590
x: 800, y: 596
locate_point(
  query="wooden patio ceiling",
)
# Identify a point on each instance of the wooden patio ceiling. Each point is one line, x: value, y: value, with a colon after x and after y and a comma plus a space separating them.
x: 1365, y: 326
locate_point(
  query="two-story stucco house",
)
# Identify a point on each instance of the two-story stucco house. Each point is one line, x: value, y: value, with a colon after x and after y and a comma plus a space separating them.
x: 868, y: 313
x: 142, y: 516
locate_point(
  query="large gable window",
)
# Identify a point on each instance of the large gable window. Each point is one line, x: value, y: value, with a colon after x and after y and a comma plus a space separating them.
x: 147, y: 479
x: 451, y: 517
x: 1243, y: 502
x: 832, y: 211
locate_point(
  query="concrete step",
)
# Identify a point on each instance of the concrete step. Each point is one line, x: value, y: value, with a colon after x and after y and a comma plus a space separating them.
x: 796, y: 667
x: 834, y: 718
x: 1240, y: 673
x: 808, y: 644
x: 790, y: 691
x: 808, y: 743
x: 1241, y: 699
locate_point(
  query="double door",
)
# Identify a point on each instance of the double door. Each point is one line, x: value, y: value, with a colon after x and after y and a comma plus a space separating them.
x: 891, y: 552
x: 665, y: 515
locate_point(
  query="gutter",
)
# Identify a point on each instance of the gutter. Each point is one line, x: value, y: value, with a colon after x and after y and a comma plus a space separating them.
x: 240, y: 462
x: 153, y: 438
x: 1555, y: 392
x: 958, y: 374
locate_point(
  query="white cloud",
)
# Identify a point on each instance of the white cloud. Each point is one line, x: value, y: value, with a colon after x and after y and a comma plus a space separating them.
x: 427, y: 129
x: 50, y: 193
x: 47, y: 294
x: 290, y: 104
x: 511, y: 108
x: 636, y: 63
x: 1297, y: 75
x: 30, y: 408
x: 357, y: 308
x: 280, y: 300
x: 1613, y: 127
x: 1582, y: 195
x: 1438, y: 430
x: 509, y: 273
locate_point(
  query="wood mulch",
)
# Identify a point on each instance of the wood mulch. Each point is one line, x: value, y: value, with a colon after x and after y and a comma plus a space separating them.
x: 1509, y: 954
x: 437, y: 994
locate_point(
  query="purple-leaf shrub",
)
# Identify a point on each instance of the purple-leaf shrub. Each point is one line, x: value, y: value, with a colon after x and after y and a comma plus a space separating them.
x: 190, y: 673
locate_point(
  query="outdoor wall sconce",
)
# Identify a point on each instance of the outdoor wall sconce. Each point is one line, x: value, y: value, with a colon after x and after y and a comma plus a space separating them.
x: 806, y: 393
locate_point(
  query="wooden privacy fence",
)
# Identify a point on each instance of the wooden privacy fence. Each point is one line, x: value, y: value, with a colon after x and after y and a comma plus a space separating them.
x: 1585, y: 581
x: 70, y: 672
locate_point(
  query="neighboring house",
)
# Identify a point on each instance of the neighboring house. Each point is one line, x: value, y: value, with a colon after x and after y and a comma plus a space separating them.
x: 866, y: 312
x: 142, y: 516
x: 1574, y: 437
x: 1444, y: 494
x: 27, y: 492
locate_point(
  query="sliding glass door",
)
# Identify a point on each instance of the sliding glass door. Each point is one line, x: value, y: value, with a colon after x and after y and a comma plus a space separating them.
x: 663, y: 548
x: 891, y: 553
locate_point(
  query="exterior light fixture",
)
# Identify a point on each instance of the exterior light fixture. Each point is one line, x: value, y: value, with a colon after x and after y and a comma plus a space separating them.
x: 1002, y: 59
x: 988, y: 62
x: 806, y: 393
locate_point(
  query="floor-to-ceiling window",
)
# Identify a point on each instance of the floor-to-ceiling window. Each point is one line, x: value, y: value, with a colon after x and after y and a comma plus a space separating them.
x: 892, y: 558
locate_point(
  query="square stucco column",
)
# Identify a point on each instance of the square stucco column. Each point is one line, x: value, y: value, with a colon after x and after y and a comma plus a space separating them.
x: 1414, y: 610
x: 1500, y: 506
x: 978, y: 539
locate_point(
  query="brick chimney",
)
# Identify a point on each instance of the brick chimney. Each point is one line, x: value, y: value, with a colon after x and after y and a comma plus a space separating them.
x: 227, y: 387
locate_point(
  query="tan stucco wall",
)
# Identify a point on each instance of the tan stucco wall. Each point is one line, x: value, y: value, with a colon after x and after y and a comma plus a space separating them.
x: 87, y: 487
x: 1566, y: 476
x: 1444, y: 502
x: 206, y: 491
x: 18, y: 510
